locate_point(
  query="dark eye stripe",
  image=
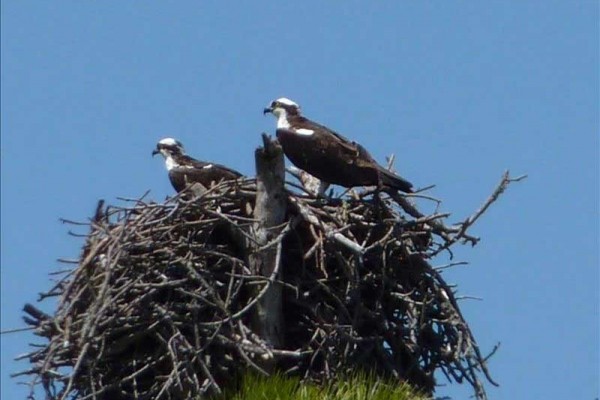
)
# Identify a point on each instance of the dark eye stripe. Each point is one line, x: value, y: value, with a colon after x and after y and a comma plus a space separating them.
x: 170, y: 148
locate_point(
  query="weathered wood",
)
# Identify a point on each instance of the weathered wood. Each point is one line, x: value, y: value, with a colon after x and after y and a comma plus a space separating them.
x: 269, y: 212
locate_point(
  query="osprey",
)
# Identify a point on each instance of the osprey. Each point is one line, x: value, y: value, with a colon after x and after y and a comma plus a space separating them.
x: 326, y: 154
x: 184, y: 170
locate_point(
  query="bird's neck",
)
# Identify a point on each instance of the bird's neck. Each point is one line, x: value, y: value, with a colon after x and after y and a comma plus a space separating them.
x: 282, y: 121
x: 170, y: 163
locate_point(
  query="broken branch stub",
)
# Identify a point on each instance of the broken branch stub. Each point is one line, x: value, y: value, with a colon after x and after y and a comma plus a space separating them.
x: 269, y: 214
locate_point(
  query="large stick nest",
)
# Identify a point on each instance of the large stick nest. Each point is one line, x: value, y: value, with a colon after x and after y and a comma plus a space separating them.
x: 160, y: 303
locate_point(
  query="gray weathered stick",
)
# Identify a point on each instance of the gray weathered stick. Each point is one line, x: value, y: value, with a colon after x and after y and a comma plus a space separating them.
x: 269, y: 212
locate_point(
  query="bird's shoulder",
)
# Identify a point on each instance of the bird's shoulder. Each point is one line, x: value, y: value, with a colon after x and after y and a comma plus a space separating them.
x: 186, y: 161
x: 337, y: 139
x: 205, y: 165
x: 300, y: 122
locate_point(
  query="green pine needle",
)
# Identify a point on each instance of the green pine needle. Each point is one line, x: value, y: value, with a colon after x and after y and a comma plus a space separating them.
x: 360, y: 386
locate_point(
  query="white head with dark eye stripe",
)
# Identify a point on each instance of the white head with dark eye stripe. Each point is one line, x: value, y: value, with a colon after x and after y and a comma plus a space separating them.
x: 170, y: 149
x: 282, y: 108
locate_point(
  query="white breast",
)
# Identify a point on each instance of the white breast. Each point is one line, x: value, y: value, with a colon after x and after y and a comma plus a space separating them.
x: 282, y: 122
x: 171, y: 163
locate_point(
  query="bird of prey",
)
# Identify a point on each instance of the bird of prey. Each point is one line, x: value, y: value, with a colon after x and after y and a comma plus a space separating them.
x: 326, y: 154
x: 185, y: 171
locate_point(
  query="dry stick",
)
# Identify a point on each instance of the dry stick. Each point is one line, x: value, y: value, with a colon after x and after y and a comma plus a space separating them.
x: 450, y: 295
x: 311, y: 218
x: 450, y: 265
x: 461, y: 233
x: 270, y: 211
x: 130, y: 377
x: 17, y: 330
x: 271, y: 279
x: 89, y: 328
x: 95, y: 313
x: 437, y: 227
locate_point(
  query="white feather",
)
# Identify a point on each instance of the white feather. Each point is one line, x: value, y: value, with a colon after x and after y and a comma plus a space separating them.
x: 170, y: 163
x: 282, y: 121
x: 304, y: 132
x: 287, y: 102
x: 168, y: 142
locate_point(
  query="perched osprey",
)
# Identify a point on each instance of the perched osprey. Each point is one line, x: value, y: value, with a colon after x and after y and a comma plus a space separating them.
x: 326, y: 154
x: 184, y: 170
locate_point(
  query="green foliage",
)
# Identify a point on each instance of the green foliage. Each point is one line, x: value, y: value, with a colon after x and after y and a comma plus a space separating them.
x: 357, y: 387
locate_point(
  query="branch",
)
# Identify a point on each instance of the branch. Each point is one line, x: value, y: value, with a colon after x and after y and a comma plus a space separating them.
x: 269, y: 212
x: 461, y: 229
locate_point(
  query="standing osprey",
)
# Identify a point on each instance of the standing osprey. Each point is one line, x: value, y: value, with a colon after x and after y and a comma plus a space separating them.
x: 326, y: 154
x: 184, y: 170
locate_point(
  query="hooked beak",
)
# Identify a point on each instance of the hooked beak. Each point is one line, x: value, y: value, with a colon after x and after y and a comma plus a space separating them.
x: 155, y: 152
x: 267, y: 110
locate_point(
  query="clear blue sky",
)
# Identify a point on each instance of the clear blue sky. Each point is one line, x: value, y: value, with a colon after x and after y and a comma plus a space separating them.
x: 459, y: 91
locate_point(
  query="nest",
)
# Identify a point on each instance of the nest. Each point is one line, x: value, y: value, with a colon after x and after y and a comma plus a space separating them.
x: 162, y: 302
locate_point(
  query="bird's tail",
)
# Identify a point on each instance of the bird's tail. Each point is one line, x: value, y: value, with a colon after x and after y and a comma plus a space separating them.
x: 394, y: 181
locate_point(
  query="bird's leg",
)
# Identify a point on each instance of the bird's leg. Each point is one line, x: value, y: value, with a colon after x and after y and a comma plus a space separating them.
x: 379, y: 205
x: 376, y: 198
x: 323, y: 186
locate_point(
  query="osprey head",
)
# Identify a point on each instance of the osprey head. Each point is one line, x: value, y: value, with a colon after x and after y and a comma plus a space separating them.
x: 168, y: 147
x: 282, y: 107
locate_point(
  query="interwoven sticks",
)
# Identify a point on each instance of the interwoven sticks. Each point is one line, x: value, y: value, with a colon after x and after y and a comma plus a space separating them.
x: 160, y: 304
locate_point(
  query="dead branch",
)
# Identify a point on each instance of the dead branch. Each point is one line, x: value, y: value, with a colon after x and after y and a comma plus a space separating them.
x: 269, y: 213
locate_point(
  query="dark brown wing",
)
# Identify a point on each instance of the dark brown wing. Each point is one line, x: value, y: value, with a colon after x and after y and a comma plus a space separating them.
x: 192, y: 171
x: 346, y: 145
x: 347, y: 164
x: 197, y: 164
